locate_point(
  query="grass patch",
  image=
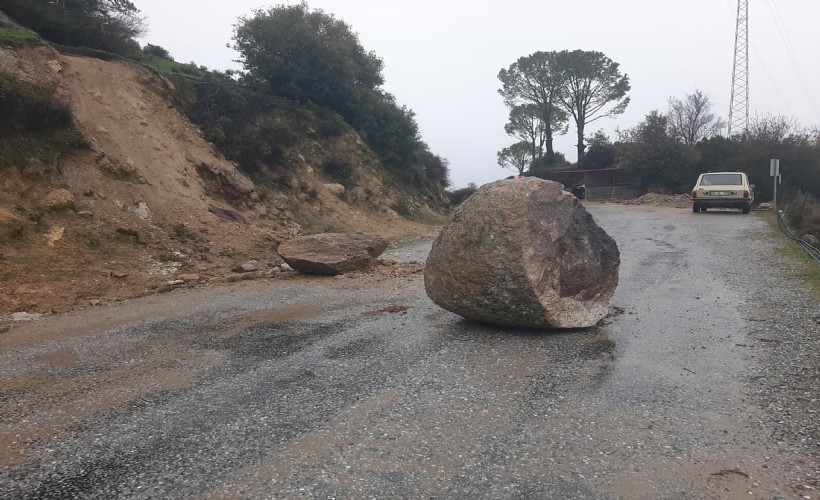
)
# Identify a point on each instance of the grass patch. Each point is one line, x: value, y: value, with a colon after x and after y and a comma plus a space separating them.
x: 17, y: 37
x: 171, y: 67
x: 805, y: 269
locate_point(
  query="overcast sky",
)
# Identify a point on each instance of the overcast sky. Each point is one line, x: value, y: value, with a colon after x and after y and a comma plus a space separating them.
x: 442, y: 57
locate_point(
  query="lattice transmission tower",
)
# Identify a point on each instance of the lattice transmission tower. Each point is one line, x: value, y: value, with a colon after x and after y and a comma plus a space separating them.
x: 739, y: 107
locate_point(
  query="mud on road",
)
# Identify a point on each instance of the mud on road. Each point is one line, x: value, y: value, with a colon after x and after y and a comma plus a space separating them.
x: 700, y: 384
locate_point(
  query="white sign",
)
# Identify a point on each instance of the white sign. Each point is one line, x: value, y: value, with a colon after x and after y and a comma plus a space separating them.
x: 774, y: 168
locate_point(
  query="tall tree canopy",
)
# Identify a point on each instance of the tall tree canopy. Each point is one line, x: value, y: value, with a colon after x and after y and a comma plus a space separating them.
x: 592, y: 88
x: 307, y: 55
x: 536, y: 80
x: 692, y: 119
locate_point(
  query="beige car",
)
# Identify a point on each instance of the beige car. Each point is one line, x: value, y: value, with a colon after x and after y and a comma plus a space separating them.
x: 723, y: 190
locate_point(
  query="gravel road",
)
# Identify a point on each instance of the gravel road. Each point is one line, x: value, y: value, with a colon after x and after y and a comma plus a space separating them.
x: 702, y: 383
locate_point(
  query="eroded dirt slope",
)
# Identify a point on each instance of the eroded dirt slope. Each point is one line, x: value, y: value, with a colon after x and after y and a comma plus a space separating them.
x: 151, y: 201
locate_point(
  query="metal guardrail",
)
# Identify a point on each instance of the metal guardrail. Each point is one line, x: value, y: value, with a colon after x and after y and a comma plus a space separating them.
x: 811, y: 251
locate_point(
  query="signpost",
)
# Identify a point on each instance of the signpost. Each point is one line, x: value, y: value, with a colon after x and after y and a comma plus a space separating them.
x: 774, y: 171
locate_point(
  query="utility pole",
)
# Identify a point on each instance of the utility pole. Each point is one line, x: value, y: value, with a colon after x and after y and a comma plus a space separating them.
x: 739, y: 107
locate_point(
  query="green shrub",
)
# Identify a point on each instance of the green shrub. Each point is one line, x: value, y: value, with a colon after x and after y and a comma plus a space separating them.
x: 458, y: 196
x: 156, y: 50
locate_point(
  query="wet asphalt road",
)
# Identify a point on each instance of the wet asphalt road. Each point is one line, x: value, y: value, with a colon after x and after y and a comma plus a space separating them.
x: 330, y: 388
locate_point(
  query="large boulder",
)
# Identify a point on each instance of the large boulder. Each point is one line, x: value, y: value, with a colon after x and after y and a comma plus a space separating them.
x: 525, y: 253
x: 331, y: 253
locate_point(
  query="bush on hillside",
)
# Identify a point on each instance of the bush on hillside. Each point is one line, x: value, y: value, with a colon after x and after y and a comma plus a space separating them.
x: 108, y: 25
x: 156, y: 50
x: 458, y: 196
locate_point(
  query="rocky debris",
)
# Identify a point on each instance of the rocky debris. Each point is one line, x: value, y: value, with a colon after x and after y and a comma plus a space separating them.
x: 661, y: 200
x: 10, y: 225
x: 187, y: 278
x: 331, y: 253
x: 385, y: 268
x: 226, y: 214
x: 119, y: 274
x: 523, y: 253
x: 334, y: 189
x: 247, y: 267
x: 58, y: 200
x: 141, y: 210
x: 765, y: 206
x: 24, y: 316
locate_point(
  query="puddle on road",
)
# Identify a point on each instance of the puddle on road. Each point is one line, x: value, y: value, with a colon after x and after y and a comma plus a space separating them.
x: 283, y: 314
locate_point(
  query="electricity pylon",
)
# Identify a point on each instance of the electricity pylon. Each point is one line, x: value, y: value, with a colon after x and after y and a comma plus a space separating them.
x: 739, y: 107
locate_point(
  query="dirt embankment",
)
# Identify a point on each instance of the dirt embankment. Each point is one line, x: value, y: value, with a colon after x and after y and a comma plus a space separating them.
x: 151, y: 201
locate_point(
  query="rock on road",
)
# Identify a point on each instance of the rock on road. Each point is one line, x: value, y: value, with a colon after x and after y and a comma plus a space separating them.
x: 362, y: 387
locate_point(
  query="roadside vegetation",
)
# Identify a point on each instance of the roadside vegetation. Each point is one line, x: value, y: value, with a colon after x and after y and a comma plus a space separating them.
x: 279, y: 97
x: 804, y: 268
x: 666, y: 151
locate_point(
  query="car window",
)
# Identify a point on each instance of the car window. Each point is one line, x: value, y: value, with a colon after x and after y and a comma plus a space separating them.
x: 722, y: 180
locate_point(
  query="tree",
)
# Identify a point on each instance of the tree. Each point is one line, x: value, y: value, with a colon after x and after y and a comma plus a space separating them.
x: 590, y: 83
x: 535, y: 80
x: 601, y: 152
x: 516, y: 157
x: 660, y: 159
x: 525, y: 125
x: 692, y: 119
x: 307, y: 56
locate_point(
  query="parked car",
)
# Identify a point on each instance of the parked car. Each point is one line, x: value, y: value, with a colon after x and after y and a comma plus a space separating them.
x: 723, y: 190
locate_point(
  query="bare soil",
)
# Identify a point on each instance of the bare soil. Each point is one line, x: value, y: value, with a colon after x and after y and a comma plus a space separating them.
x: 152, y: 202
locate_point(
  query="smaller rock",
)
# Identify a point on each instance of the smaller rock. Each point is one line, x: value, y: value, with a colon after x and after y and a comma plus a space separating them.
x: 94, y: 302
x: 335, y: 189
x: 247, y: 267
x: 284, y: 266
x: 175, y: 282
x: 141, y: 210
x: 188, y: 277
x: 85, y: 214
x: 24, y: 316
x: 58, y: 199
x: 119, y: 274
x: 5, y: 328
x: 331, y: 253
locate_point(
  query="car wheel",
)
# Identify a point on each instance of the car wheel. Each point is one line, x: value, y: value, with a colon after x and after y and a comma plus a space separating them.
x: 695, y: 208
x: 746, y: 209
x: 702, y: 209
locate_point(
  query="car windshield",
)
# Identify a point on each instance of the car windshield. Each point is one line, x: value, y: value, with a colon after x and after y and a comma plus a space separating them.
x: 722, y: 180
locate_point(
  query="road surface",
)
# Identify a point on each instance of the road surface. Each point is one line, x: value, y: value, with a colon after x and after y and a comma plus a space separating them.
x: 358, y: 387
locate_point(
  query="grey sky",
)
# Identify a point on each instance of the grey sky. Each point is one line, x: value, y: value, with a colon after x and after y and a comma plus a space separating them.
x: 442, y: 57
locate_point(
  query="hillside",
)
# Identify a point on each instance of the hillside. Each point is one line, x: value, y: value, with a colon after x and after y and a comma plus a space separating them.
x: 148, y: 200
